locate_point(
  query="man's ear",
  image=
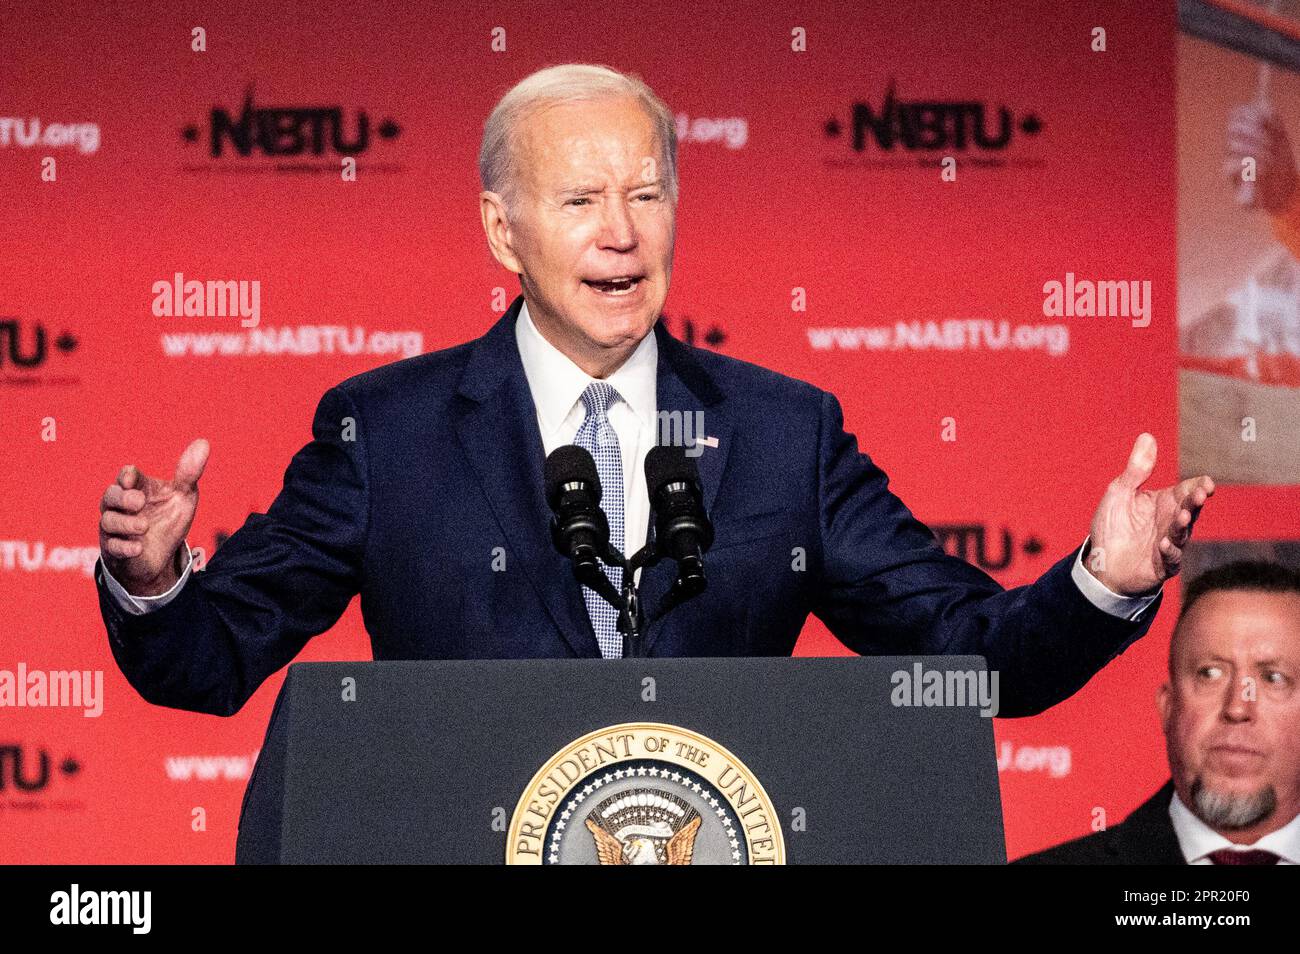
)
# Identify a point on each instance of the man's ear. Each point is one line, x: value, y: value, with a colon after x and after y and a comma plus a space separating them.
x: 1164, y: 705
x: 492, y: 210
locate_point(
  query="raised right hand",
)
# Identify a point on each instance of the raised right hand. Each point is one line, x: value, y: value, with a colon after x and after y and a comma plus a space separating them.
x: 144, y: 520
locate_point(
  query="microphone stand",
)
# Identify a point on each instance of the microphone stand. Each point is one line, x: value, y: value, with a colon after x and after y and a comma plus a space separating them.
x: 631, y: 618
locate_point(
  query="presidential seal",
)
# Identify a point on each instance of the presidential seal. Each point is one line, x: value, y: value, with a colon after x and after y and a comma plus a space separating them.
x: 644, y: 793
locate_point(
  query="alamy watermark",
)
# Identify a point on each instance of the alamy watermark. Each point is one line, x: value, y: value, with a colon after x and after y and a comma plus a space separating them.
x: 1085, y: 298
x: 181, y: 298
x: 946, y: 687
x: 57, y: 689
x: 75, y: 906
x: 683, y: 429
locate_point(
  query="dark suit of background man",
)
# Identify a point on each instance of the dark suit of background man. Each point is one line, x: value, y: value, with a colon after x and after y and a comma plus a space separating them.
x: 1231, y: 717
x: 438, y: 477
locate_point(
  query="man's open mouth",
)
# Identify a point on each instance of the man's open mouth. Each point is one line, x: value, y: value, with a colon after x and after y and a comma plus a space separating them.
x: 621, y: 285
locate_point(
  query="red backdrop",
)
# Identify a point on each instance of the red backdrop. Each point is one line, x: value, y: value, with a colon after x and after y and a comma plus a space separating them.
x: 774, y: 197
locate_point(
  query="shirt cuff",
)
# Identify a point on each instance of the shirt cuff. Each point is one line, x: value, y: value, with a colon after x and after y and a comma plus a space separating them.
x: 139, y: 605
x: 1101, y: 596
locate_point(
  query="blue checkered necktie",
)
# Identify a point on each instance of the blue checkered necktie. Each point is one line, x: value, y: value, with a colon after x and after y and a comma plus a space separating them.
x: 597, y: 436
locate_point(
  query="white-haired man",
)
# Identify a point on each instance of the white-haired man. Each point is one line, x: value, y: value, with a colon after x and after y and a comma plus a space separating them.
x: 424, y: 473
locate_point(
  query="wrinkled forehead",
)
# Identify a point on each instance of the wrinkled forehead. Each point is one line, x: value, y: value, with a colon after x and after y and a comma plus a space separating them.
x: 605, y: 143
x: 1244, y: 627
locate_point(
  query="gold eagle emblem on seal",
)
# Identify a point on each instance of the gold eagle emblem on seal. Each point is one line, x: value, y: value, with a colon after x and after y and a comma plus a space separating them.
x: 644, y: 793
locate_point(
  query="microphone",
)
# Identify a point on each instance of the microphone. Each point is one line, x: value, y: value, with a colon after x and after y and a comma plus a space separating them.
x: 579, y: 528
x: 682, y: 529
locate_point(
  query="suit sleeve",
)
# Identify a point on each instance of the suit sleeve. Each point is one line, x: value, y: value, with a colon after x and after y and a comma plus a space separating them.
x: 280, y: 579
x: 889, y: 588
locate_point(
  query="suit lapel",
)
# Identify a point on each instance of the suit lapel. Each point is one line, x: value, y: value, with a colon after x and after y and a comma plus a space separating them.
x: 1147, y: 836
x: 497, y: 429
x: 685, y: 391
x: 682, y: 384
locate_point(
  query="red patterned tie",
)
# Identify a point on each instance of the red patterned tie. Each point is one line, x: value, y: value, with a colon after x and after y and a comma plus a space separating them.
x: 1255, y: 856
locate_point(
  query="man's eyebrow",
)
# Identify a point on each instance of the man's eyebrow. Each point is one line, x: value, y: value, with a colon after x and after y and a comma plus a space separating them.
x: 595, y: 190
x: 1255, y: 663
x: 580, y: 190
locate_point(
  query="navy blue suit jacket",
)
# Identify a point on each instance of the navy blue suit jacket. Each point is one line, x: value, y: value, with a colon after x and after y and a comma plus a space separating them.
x: 1146, y: 837
x: 443, y: 479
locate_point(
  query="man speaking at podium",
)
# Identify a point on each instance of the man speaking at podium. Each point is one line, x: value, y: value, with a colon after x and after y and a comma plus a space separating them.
x: 422, y: 488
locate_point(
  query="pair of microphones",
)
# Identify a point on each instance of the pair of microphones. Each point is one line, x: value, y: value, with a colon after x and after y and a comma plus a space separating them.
x: 580, y: 529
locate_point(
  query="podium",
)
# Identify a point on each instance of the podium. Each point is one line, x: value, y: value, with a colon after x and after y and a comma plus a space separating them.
x: 626, y: 761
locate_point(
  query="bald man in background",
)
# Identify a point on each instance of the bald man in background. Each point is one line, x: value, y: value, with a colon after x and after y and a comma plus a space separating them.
x: 1230, y: 712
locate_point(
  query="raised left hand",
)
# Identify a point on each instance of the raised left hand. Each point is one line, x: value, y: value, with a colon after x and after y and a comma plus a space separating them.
x: 1138, y: 535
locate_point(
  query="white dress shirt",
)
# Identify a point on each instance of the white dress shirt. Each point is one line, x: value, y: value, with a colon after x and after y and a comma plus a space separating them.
x: 1198, y: 840
x: 556, y: 384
